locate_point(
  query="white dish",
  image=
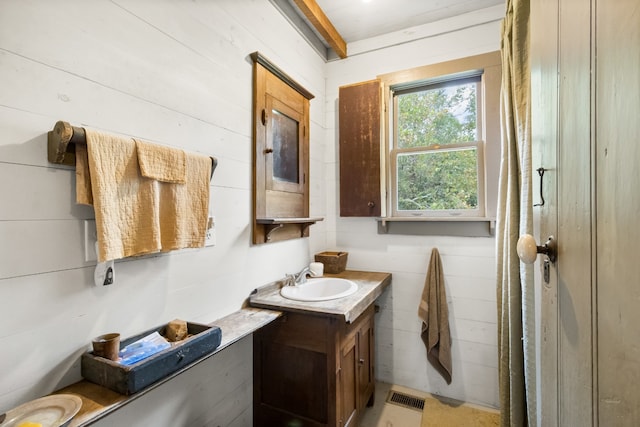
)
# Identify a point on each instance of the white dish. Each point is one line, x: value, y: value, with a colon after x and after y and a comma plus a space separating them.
x: 50, y: 411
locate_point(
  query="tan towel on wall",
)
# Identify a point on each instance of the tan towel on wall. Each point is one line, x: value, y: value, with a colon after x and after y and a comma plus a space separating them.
x: 184, y: 209
x: 137, y: 215
x: 434, y: 312
x: 161, y: 163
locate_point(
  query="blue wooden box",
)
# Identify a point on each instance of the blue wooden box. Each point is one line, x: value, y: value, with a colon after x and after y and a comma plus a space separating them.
x: 130, y: 379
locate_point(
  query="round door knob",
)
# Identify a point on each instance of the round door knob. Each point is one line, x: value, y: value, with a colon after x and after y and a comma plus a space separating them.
x: 528, y: 250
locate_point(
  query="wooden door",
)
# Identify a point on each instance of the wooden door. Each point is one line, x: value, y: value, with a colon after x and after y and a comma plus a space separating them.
x: 586, y: 93
x: 561, y: 117
x: 617, y: 211
x: 544, y: 119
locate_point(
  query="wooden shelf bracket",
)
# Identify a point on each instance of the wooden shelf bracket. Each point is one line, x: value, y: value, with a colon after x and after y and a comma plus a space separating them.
x: 272, y: 224
x: 270, y: 228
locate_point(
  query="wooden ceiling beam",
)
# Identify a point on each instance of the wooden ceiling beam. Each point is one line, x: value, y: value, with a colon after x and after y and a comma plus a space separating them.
x: 323, y: 25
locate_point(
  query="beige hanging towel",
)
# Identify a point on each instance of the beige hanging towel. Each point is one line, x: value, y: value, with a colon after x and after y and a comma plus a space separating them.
x: 183, y: 209
x: 161, y: 163
x: 137, y: 215
x: 434, y: 313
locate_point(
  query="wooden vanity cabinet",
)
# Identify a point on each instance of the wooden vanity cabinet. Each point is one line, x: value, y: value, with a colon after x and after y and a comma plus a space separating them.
x: 313, y: 370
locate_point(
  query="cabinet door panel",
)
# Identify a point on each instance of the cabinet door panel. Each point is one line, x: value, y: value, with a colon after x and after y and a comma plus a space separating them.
x: 296, y: 380
x: 348, y: 381
x: 359, y: 128
x: 284, y: 147
x: 365, y: 363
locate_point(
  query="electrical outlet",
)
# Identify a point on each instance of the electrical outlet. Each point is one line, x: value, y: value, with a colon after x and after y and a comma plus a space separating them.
x: 210, y: 238
x: 90, y: 240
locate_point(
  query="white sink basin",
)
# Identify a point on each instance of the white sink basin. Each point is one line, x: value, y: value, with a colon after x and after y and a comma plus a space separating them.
x: 321, y: 289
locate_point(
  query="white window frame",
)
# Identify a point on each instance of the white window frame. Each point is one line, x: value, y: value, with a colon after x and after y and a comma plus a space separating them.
x: 488, y: 145
x: 397, y: 90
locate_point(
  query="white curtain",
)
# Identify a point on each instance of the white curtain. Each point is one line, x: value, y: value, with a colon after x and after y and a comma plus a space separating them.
x: 516, y: 345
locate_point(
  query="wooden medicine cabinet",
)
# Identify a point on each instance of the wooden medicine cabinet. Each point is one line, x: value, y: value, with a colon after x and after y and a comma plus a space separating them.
x: 281, y: 155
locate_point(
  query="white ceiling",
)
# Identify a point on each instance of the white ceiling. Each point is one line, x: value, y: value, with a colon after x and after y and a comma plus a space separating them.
x: 360, y: 19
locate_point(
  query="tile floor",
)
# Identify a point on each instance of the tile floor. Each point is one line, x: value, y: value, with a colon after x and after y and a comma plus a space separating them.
x: 384, y: 414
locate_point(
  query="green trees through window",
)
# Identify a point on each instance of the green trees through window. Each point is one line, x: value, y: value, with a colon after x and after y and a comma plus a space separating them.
x: 436, y: 147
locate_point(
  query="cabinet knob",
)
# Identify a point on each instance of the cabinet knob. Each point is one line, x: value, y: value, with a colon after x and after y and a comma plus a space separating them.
x: 371, y: 204
x: 361, y: 361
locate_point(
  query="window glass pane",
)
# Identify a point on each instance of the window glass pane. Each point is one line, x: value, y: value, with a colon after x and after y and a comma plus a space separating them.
x: 438, y: 180
x: 442, y: 115
x: 285, y: 147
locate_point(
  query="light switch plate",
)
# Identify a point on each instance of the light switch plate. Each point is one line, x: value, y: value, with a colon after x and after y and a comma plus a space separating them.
x: 210, y: 238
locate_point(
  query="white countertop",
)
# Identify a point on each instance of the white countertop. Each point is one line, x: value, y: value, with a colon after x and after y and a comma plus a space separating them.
x: 370, y: 287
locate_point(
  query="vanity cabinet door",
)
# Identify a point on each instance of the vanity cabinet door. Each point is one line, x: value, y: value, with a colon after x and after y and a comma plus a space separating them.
x: 348, y: 387
x: 291, y: 371
x: 366, y: 379
x: 356, y: 380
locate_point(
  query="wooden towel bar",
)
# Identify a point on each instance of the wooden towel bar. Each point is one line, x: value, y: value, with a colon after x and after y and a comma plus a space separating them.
x: 62, y: 141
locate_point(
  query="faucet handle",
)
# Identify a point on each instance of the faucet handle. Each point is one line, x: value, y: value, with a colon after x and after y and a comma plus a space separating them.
x: 289, y: 280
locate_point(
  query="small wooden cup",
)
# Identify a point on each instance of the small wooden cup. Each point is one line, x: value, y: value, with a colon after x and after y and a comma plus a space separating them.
x: 107, y: 346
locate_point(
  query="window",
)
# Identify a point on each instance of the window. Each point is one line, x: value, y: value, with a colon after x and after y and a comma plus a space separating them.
x: 437, y: 156
x: 442, y: 141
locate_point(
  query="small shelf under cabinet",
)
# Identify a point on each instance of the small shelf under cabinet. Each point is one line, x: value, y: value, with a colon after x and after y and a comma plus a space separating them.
x: 272, y: 224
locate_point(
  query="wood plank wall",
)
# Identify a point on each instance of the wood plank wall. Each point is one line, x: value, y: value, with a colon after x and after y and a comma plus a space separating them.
x: 469, y: 263
x: 175, y: 73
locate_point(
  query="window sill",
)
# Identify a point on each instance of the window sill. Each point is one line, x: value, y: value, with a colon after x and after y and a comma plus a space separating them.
x: 454, y: 226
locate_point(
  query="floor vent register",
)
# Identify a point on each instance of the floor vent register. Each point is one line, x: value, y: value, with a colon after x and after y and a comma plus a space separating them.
x: 405, y: 400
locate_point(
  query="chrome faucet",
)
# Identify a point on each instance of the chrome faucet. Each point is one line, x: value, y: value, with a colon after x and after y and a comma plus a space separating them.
x: 297, y: 279
x: 302, y: 276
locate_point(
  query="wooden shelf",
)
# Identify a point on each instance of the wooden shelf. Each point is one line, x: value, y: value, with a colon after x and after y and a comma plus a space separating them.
x: 98, y: 401
x: 272, y: 224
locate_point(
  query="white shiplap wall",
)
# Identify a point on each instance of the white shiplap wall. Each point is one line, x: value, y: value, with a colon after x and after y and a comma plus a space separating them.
x: 175, y: 73
x: 469, y: 263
